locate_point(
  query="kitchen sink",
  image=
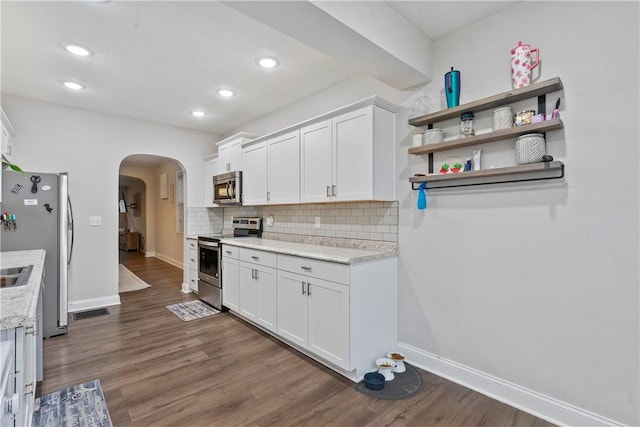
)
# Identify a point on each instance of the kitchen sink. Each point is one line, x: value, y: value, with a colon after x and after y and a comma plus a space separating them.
x: 12, y: 277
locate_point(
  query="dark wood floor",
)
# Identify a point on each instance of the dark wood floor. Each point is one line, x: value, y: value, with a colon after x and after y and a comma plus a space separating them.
x: 219, y: 371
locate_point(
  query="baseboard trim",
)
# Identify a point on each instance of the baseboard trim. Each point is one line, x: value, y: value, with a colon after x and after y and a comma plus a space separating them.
x: 149, y: 254
x: 185, y: 288
x: 534, y: 403
x: 174, y: 262
x: 88, y: 304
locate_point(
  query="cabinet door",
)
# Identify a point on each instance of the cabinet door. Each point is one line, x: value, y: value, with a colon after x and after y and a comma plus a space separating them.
x: 292, y: 307
x: 235, y: 155
x: 315, y: 162
x: 353, y: 155
x: 224, y: 158
x: 210, y: 170
x: 248, y: 291
x: 284, y: 168
x: 230, y: 284
x: 329, y: 321
x: 267, y: 297
x: 254, y: 177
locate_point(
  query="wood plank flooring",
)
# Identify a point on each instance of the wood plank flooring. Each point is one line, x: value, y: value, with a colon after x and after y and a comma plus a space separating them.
x: 157, y: 370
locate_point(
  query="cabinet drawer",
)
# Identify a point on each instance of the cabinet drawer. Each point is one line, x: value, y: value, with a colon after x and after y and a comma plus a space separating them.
x: 331, y: 271
x: 192, y: 244
x: 230, y: 251
x: 268, y: 259
x: 192, y: 260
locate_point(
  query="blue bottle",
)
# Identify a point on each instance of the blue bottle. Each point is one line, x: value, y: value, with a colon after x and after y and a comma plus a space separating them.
x: 452, y: 87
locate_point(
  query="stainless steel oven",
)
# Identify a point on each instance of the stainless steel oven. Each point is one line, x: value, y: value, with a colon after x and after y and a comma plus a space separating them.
x: 210, y: 284
x: 209, y: 287
x: 227, y: 188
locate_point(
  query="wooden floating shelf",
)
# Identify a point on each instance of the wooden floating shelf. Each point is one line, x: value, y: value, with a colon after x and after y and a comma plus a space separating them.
x: 546, y: 126
x: 526, y: 172
x: 515, y: 95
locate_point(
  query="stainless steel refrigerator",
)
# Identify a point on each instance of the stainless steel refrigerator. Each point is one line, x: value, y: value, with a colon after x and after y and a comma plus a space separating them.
x: 43, y: 220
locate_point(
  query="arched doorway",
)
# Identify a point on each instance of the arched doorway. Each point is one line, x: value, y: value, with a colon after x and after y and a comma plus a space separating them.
x: 150, y: 187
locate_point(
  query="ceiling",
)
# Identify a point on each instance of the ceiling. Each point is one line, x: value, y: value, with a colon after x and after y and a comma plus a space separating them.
x: 158, y: 61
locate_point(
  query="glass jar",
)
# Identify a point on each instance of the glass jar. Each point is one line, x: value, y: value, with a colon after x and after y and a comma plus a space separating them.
x: 467, y: 127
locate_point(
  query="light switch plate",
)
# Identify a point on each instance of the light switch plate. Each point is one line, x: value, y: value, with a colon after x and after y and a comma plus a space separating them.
x: 95, y: 221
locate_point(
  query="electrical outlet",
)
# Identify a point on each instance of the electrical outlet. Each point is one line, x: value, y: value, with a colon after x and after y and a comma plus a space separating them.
x: 317, y: 223
x: 95, y: 221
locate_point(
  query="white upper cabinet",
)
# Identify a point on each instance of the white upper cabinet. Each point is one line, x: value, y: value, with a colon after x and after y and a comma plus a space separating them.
x: 230, y: 152
x: 316, y: 161
x: 350, y: 157
x: 283, y: 167
x: 272, y: 170
x: 210, y: 170
x: 345, y: 155
x: 254, y: 176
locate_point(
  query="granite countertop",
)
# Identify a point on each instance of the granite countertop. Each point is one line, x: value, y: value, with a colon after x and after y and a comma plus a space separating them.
x: 18, y: 305
x: 319, y: 252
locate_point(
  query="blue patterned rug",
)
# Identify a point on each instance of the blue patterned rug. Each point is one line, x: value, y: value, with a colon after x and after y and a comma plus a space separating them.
x: 81, y: 405
x: 192, y: 310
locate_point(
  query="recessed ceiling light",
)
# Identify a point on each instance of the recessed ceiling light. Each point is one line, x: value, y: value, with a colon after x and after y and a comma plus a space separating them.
x: 226, y: 93
x: 198, y: 113
x: 77, y: 50
x: 267, y: 62
x: 73, y: 85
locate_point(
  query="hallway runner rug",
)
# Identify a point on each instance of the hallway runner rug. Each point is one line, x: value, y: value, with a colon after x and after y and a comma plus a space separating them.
x: 192, y: 310
x: 79, y: 405
x: 127, y: 281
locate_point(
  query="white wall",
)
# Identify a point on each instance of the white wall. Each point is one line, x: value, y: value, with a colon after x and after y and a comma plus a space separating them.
x: 537, y: 284
x: 90, y: 146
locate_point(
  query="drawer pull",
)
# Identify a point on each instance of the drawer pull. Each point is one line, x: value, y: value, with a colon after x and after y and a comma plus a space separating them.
x: 254, y: 257
x: 304, y: 267
x: 303, y: 292
x: 228, y: 252
x: 193, y: 260
x: 28, y: 389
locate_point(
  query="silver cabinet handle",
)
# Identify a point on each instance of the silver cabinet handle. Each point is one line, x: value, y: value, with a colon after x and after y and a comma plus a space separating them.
x: 333, y: 191
x: 254, y: 257
x: 257, y: 278
x: 303, y: 292
x: 328, y: 191
x: 268, y: 196
x: 309, y: 288
x: 193, y: 260
x: 304, y: 267
x: 228, y: 252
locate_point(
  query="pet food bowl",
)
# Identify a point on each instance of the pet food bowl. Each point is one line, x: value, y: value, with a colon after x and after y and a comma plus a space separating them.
x: 386, y: 367
x: 374, y: 381
x: 397, y: 357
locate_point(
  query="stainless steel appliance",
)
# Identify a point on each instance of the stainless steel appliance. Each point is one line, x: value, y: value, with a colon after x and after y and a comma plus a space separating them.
x: 210, y: 285
x: 227, y: 188
x: 42, y: 218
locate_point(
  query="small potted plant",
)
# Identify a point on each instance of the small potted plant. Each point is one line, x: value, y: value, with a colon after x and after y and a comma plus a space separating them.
x: 16, y: 168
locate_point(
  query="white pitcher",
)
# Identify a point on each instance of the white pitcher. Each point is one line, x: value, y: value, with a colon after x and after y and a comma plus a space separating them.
x: 521, y: 64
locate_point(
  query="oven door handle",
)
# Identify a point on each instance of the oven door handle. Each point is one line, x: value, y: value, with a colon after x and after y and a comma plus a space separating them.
x: 208, y: 244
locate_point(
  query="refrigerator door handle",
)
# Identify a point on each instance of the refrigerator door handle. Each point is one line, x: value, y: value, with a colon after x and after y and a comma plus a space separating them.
x: 70, y: 227
x: 63, y: 195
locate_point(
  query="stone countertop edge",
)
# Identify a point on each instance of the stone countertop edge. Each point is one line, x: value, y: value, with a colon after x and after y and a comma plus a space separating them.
x: 307, y: 250
x: 18, y: 305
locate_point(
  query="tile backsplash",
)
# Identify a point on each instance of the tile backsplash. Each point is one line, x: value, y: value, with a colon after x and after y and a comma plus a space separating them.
x: 359, y: 220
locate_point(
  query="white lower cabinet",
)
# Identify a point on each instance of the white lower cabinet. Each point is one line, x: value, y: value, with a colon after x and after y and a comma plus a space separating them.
x: 258, y: 287
x: 21, y: 386
x: 230, y: 278
x: 314, y: 314
x: 330, y: 311
x: 191, y: 264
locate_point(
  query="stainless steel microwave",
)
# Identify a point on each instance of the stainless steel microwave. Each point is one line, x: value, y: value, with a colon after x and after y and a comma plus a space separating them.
x: 227, y: 188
